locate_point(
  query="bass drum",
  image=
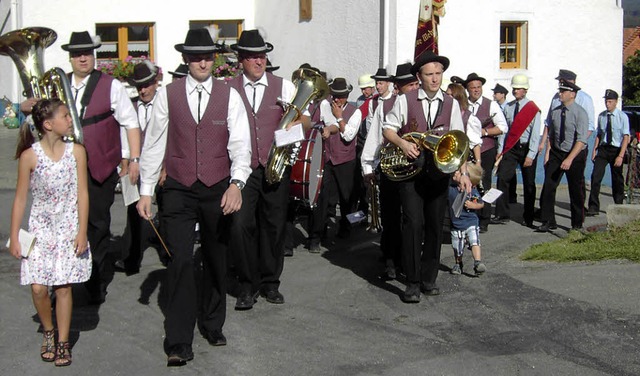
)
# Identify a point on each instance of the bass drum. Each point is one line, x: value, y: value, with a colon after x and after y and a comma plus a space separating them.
x: 306, y: 173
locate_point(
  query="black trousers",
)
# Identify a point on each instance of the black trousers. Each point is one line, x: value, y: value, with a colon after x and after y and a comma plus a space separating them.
x: 391, y: 220
x: 258, y: 232
x: 424, y: 202
x: 575, y: 179
x: 183, y: 207
x: 487, y: 160
x: 606, y: 155
x: 336, y: 181
x: 101, y: 197
x: 506, y: 171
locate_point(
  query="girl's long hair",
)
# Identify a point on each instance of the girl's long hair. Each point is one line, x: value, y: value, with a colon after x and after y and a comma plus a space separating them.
x: 44, y: 109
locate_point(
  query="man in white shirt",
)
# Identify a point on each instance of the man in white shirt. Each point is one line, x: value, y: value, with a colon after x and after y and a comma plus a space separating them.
x: 111, y: 136
x: 199, y: 132
x: 424, y: 197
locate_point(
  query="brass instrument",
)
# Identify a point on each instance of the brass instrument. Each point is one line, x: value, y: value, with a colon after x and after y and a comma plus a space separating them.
x: 310, y: 85
x: 26, y: 48
x: 449, y: 151
x: 374, y: 200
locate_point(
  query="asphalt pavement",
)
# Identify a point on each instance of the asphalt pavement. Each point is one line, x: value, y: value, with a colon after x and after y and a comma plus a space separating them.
x: 340, y: 318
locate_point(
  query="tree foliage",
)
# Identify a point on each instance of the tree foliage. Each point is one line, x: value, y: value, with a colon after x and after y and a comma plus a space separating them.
x: 631, y: 80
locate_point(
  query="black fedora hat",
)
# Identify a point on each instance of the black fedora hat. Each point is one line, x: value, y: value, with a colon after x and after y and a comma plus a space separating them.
x: 82, y: 41
x: 456, y: 80
x: 429, y: 57
x: 500, y: 89
x: 198, y: 41
x: 403, y: 73
x: 181, y: 71
x: 339, y: 87
x: 381, y: 75
x: 474, y: 77
x: 271, y: 68
x: 252, y: 42
x: 143, y: 73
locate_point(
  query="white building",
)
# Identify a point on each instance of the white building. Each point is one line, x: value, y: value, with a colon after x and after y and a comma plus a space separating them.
x: 350, y: 37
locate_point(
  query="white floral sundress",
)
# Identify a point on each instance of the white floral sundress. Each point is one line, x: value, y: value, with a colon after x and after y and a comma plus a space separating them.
x: 54, y: 222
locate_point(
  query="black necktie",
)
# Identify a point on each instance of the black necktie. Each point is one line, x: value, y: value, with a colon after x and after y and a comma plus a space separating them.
x: 563, y: 115
x: 609, y: 138
x: 429, y: 122
x: 253, y: 103
x: 515, y: 113
x: 199, y: 88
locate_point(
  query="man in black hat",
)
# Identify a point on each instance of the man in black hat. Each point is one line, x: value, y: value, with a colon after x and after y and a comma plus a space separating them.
x: 424, y: 197
x: 500, y: 95
x: 390, y: 213
x: 341, y: 121
x: 145, y: 80
x: 200, y: 134
x: 258, y: 230
x: 568, y: 134
x: 610, y: 146
x: 181, y: 71
x: 493, y: 125
x: 104, y: 109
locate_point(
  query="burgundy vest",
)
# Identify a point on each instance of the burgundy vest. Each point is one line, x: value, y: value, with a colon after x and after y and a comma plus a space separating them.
x: 102, y: 139
x: 197, y: 151
x: 314, y: 110
x: 265, y: 121
x: 387, y: 105
x: 466, y: 114
x: 483, y: 114
x: 417, y: 120
x: 337, y: 150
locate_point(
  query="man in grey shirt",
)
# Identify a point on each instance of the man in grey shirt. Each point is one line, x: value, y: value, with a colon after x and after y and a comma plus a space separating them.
x: 568, y: 134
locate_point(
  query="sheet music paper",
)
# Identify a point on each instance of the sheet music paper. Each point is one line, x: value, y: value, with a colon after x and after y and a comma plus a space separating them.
x: 491, y: 196
x: 130, y: 192
x: 458, y: 203
x: 27, y: 241
x: 287, y: 137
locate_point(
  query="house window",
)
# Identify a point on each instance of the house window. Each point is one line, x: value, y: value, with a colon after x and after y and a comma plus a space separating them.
x: 513, y: 45
x: 122, y: 40
x: 228, y: 30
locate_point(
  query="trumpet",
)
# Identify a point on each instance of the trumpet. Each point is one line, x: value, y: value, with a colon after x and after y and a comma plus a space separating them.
x: 26, y: 48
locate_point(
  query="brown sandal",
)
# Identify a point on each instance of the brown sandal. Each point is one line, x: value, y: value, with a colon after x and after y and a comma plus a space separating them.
x: 48, y: 348
x: 63, y: 354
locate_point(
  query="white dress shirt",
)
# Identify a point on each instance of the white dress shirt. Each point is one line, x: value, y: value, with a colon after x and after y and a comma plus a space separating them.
x: 353, y: 123
x: 288, y: 90
x: 380, y: 99
x: 123, y: 110
x: 495, y: 111
x: 371, y: 151
x: 155, y: 142
x: 144, y: 113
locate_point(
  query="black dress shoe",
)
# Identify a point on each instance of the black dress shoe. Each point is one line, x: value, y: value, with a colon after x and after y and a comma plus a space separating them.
x: 429, y: 290
x: 498, y: 220
x: 215, y: 338
x: 179, y: 355
x: 484, y: 229
x: 273, y: 296
x: 245, y: 301
x: 122, y: 267
x: 288, y: 252
x: 527, y: 223
x: 592, y: 213
x: 546, y: 227
x: 411, y: 294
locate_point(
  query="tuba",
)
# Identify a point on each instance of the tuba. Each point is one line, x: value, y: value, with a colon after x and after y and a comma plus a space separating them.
x: 449, y: 151
x: 310, y: 85
x: 26, y: 48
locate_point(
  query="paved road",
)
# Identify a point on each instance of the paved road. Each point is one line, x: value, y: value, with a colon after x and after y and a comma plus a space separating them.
x: 520, y: 318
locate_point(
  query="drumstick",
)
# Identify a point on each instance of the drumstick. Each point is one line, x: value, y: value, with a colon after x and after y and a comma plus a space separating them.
x: 159, y: 237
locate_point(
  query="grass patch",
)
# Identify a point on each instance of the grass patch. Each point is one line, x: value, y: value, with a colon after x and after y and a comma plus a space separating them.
x: 617, y: 243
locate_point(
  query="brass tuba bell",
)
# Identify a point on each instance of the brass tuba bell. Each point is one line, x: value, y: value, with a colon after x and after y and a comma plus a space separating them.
x: 310, y: 85
x: 26, y: 48
x: 449, y: 151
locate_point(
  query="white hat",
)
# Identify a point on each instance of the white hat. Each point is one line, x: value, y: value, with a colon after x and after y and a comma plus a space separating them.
x: 366, y: 81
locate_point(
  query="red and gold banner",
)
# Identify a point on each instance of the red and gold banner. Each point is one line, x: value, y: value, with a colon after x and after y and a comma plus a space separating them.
x: 427, y: 33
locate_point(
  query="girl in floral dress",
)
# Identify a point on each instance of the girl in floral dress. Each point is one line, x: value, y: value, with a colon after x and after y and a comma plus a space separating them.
x: 56, y: 172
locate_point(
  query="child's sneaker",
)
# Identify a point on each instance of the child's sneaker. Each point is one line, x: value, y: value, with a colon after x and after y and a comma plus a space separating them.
x: 479, y: 267
x: 457, y: 270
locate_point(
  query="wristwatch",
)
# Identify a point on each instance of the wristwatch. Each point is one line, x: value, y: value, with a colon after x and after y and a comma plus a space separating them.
x: 134, y: 160
x: 238, y: 183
